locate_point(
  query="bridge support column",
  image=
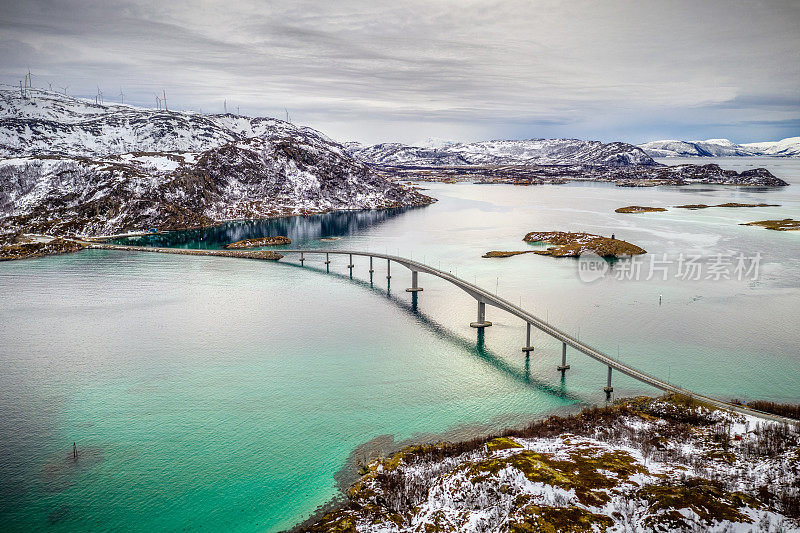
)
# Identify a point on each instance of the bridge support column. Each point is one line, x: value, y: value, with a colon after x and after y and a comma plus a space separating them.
x: 564, y: 366
x: 481, y: 322
x: 528, y: 348
x: 388, y: 269
x: 371, y: 270
x: 414, y: 284
x: 609, y: 389
x: 327, y: 258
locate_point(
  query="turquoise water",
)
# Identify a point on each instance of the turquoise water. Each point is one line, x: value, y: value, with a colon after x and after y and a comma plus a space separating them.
x: 223, y: 394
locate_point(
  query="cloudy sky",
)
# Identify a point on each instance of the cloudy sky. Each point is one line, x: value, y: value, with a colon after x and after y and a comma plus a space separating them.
x: 404, y: 70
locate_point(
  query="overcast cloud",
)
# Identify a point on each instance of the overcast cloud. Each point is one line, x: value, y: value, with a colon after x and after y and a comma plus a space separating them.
x: 381, y: 71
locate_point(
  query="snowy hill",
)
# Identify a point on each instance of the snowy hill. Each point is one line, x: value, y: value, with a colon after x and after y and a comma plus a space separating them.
x: 722, y: 148
x: 51, y: 123
x: 74, y: 167
x: 789, y: 147
x: 489, y: 153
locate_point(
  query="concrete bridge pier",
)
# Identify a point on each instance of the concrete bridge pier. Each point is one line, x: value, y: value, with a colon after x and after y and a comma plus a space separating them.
x: 608, y: 388
x: 528, y: 348
x: 481, y: 322
x: 414, y: 284
x: 564, y: 366
x: 388, y: 269
x: 371, y: 270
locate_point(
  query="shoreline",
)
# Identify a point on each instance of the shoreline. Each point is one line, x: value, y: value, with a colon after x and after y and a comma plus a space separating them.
x: 432, y: 485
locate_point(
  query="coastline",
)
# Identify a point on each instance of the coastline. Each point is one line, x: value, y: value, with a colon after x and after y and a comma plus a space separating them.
x: 598, y: 467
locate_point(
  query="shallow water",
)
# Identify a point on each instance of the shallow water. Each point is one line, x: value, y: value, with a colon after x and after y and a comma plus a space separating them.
x: 219, y: 393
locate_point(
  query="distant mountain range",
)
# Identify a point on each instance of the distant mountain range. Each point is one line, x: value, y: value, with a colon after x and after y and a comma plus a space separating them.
x: 789, y: 147
x: 73, y: 167
x: 493, y: 153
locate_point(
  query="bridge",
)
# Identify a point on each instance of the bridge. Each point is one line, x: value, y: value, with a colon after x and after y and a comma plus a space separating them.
x: 484, y: 298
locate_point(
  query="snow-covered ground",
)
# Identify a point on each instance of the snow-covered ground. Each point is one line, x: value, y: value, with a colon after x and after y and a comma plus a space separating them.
x: 644, y: 465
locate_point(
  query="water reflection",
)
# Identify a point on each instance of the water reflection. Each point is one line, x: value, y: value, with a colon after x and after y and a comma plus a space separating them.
x: 298, y: 228
x: 476, y: 348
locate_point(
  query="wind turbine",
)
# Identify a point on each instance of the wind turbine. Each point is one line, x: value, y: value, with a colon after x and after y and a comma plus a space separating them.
x: 158, y: 101
x: 64, y: 88
x: 121, y: 95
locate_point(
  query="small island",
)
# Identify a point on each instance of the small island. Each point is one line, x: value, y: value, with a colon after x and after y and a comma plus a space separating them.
x: 27, y: 247
x: 495, y: 253
x: 787, y: 224
x: 261, y: 241
x: 573, y: 244
x: 639, y: 209
x: 729, y: 204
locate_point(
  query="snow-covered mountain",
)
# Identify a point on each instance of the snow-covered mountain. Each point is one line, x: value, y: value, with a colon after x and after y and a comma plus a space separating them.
x: 51, y: 123
x: 789, y: 147
x: 491, y: 153
x: 73, y: 167
x: 722, y: 148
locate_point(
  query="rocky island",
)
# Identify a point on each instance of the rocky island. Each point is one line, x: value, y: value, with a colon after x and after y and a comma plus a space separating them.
x: 786, y: 224
x: 639, y: 209
x: 573, y: 244
x: 263, y: 241
x: 505, y: 254
x: 729, y: 204
x: 642, y: 464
